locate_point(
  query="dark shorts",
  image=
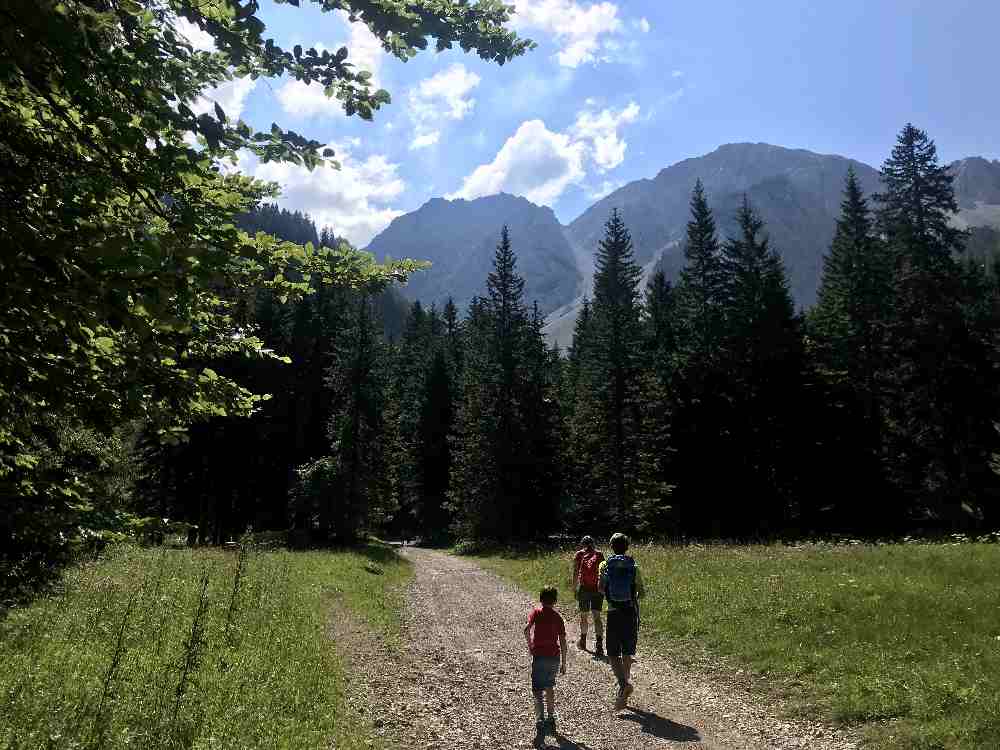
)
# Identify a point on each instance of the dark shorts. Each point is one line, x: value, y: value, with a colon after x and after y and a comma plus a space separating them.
x: 591, y: 601
x: 543, y: 672
x: 621, y: 632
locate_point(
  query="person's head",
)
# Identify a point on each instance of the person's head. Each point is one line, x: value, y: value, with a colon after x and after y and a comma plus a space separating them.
x: 548, y: 596
x: 588, y: 543
x: 619, y: 543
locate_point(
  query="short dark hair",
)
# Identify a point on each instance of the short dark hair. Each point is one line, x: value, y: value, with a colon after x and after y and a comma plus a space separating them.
x: 619, y: 543
x: 587, y: 541
x: 548, y: 595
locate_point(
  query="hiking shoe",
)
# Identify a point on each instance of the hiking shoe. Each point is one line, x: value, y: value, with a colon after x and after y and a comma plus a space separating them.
x: 599, y: 648
x: 582, y: 643
x: 621, y: 701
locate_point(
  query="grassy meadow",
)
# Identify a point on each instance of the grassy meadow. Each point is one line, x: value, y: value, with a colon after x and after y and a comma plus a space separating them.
x: 903, y: 639
x: 178, y: 648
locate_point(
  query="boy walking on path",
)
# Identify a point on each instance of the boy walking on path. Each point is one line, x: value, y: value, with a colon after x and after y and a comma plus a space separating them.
x: 586, y: 563
x: 621, y: 583
x: 545, y: 635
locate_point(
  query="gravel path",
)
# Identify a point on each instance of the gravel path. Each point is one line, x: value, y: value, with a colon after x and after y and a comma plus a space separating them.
x: 461, y: 679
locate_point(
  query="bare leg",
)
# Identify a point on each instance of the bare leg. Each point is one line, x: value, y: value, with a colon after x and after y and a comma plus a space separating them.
x: 627, y: 668
x: 584, y: 624
x: 598, y: 625
x: 550, y: 700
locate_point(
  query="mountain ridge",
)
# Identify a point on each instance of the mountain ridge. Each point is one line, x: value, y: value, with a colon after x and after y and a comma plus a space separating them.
x: 796, y: 191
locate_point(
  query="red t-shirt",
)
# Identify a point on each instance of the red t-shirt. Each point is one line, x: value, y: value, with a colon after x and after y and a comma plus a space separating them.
x: 587, y: 563
x: 548, y: 626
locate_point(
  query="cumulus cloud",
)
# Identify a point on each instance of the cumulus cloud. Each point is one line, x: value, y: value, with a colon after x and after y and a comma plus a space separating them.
x: 364, y: 52
x: 643, y: 25
x: 426, y: 140
x: 355, y: 200
x: 577, y: 29
x: 534, y: 162
x: 540, y: 164
x: 231, y: 96
x: 200, y: 40
x: 600, y: 130
x: 443, y: 96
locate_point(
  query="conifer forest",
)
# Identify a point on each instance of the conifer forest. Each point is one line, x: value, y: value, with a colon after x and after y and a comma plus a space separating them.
x: 179, y: 355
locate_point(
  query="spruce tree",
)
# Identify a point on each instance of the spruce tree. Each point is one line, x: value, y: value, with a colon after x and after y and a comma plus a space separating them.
x: 847, y: 326
x: 762, y: 354
x: 701, y: 290
x: 615, y: 372
x: 938, y: 400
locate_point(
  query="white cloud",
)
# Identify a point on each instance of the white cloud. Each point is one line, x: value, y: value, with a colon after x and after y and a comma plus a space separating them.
x: 307, y: 100
x: 600, y: 130
x: 643, y: 25
x: 577, y: 29
x: 443, y: 96
x: 364, y: 52
x: 200, y: 40
x: 354, y: 200
x: 677, y: 73
x: 605, y: 188
x: 540, y: 164
x: 231, y: 96
x: 423, y: 141
x: 534, y: 162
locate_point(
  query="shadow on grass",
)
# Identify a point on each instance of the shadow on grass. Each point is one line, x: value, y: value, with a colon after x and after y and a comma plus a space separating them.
x: 658, y: 726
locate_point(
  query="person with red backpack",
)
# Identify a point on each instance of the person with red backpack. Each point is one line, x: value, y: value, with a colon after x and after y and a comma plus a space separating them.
x: 620, y: 582
x: 586, y: 563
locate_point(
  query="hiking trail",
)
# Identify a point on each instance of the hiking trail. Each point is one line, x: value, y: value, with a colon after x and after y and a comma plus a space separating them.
x: 461, y: 679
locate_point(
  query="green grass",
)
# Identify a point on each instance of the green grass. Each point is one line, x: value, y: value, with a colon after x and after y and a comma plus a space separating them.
x: 904, y: 639
x: 163, y: 648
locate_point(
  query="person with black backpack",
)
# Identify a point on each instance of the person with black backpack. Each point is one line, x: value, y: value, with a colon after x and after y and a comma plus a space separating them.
x: 621, y: 584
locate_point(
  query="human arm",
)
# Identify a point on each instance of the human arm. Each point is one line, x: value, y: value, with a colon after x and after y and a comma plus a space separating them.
x: 576, y: 571
x: 602, y: 576
x: 563, y: 650
x: 640, y: 589
x: 527, y: 630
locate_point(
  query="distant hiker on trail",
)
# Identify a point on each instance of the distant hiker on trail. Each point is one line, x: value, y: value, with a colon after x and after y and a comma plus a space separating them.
x: 545, y: 634
x: 621, y: 583
x: 586, y: 563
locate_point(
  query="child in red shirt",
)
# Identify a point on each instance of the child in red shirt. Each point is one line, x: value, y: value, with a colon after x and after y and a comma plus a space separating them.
x: 547, y: 645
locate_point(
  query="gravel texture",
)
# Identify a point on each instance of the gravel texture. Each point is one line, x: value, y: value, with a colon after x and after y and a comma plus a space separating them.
x: 461, y: 679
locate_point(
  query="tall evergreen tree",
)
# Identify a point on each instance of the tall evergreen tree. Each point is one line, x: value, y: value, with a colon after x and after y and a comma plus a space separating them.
x: 847, y: 327
x: 615, y: 371
x: 701, y: 289
x: 937, y: 403
x: 497, y: 484
x: 762, y: 353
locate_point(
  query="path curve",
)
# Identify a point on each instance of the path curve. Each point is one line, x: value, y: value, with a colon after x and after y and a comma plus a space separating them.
x: 461, y: 680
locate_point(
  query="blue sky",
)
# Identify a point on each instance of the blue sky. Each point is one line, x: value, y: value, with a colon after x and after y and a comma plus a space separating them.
x: 616, y: 91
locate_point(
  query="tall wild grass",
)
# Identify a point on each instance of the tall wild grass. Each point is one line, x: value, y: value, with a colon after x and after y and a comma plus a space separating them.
x: 164, y: 648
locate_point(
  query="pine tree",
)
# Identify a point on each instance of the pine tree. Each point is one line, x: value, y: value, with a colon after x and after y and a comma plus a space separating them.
x: 615, y: 372
x: 937, y: 399
x: 498, y: 485
x: 848, y: 331
x: 701, y: 290
x: 661, y: 334
x: 762, y: 353
x: 356, y: 428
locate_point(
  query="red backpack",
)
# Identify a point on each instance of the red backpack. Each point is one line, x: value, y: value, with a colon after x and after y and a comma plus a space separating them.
x: 589, y: 563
